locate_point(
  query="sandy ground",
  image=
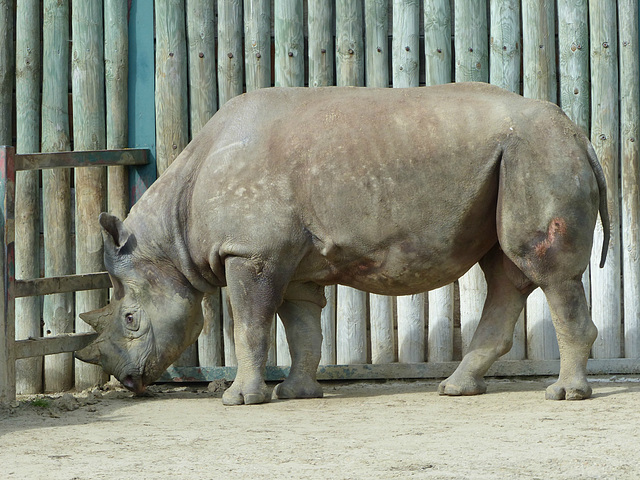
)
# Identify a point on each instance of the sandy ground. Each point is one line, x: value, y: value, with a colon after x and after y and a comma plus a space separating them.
x: 357, y: 431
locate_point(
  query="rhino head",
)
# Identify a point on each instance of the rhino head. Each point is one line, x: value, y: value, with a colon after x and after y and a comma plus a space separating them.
x: 153, y: 316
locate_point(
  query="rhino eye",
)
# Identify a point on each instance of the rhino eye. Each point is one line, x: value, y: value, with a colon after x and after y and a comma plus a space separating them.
x: 131, y: 322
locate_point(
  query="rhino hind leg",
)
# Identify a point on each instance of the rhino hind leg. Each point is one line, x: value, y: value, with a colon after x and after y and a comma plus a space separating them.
x: 507, y: 291
x: 300, y: 314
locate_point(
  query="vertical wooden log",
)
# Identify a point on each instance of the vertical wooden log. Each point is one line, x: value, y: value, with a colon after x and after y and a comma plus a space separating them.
x: 504, y: 43
x: 230, y: 359
x: 289, y: 43
x: 630, y: 165
x: 229, y: 50
x: 28, y: 88
x: 438, y: 66
x: 7, y: 272
x: 440, y: 336
x: 321, y: 43
x: 382, y: 328
x: 257, y: 43
x: 171, y: 82
x: 116, y: 75
x: 349, y: 43
x: 376, y: 20
x: 505, y: 57
x: 437, y: 42
x: 472, y: 58
x: 538, y: 52
x: 411, y: 332
x: 89, y: 133
x: 328, y: 322
x: 351, y: 328
x: 202, y: 105
x: 283, y: 357
x: 605, y: 282
x: 573, y: 41
x: 56, y: 186
x: 405, y: 51
x: 7, y: 70
x: 351, y: 310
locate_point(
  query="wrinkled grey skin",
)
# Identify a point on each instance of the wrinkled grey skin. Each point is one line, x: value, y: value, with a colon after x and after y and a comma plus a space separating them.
x: 392, y: 191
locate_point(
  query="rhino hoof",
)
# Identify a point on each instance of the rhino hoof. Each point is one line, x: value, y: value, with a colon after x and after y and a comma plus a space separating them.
x: 292, y: 389
x: 559, y: 392
x: 234, y: 396
x: 455, y: 387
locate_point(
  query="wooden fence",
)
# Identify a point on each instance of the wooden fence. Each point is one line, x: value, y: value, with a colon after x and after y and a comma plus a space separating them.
x: 582, y: 54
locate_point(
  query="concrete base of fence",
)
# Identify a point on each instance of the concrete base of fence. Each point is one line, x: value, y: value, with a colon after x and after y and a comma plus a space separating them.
x: 392, y: 371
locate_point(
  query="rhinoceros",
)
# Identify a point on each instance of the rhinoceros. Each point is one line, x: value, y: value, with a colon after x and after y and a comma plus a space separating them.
x: 391, y: 191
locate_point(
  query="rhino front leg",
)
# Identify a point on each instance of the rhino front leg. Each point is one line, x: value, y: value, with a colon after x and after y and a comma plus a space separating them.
x: 300, y: 314
x: 254, y: 297
x: 494, y: 335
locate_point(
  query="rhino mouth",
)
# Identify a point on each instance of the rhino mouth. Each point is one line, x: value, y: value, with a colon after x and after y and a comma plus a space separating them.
x: 135, y: 383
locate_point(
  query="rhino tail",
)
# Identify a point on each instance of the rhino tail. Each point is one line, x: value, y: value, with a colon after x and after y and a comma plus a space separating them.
x: 603, y: 209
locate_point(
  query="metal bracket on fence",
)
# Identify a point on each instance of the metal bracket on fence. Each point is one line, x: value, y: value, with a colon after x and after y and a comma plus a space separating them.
x: 11, y: 349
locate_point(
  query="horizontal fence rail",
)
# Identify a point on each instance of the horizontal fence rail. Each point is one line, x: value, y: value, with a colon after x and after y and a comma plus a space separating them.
x: 11, y: 349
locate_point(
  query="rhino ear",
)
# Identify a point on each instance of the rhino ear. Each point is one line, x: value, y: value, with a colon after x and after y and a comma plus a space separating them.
x: 113, y: 231
x: 99, y: 319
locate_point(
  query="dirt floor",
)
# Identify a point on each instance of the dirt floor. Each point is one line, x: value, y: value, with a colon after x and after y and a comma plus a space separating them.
x: 357, y: 431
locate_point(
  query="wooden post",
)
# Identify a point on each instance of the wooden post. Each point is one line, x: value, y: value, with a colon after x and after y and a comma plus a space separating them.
x: 7, y: 274
x: 230, y: 359
x: 538, y: 52
x: 605, y: 282
x: 257, y: 43
x: 437, y: 47
x: 630, y: 165
x: 351, y: 310
x: 28, y: 88
x: 229, y: 50
x: 89, y: 133
x: 7, y: 71
x: 411, y: 333
x: 376, y: 19
x: 437, y: 42
x: 56, y: 187
x: 116, y: 63
x: 321, y: 43
x: 289, y: 43
x: 328, y: 322
x: 381, y: 312
x: 171, y: 82
x: 504, y: 52
x: 202, y: 105
x: 349, y: 43
x: 405, y: 50
x: 472, y: 58
x: 505, y: 44
x: 573, y: 41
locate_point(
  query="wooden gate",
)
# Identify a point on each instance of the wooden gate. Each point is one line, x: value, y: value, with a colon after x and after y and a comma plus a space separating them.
x: 581, y: 54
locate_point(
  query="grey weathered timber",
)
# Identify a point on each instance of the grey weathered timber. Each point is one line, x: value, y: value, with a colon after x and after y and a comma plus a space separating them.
x: 28, y: 98
x: 171, y: 82
x: 116, y: 77
x: 351, y: 313
x: 203, y: 104
x: 87, y: 158
x: 61, y: 284
x: 438, y: 67
x: 89, y: 133
x: 229, y: 50
x: 505, y: 44
x: 328, y: 324
x: 257, y: 44
x: 289, y: 43
x: 398, y: 371
x: 605, y: 136
x: 437, y: 42
x: 349, y: 43
x: 472, y: 58
x: 376, y: 43
x: 34, y: 347
x: 411, y: 328
x: 381, y: 314
x: 405, y: 43
x: 56, y: 186
x: 321, y: 43
x: 538, y: 54
x: 630, y: 166
x: 573, y: 73
x: 7, y: 70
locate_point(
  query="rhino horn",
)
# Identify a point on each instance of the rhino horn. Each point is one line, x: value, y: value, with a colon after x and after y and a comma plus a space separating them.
x: 99, y: 319
x: 89, y: 354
